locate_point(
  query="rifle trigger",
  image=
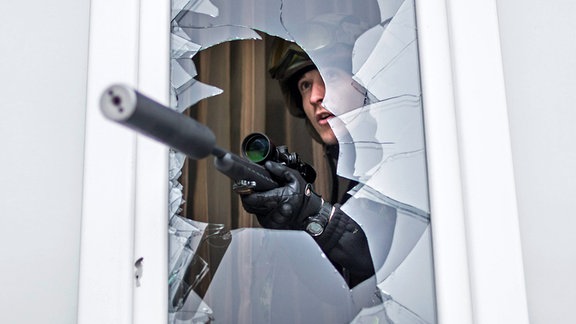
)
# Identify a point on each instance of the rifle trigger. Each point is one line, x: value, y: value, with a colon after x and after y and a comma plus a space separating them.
x: 244, y: 187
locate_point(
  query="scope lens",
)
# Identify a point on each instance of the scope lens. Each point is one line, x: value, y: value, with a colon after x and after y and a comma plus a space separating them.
x: 256, y: 149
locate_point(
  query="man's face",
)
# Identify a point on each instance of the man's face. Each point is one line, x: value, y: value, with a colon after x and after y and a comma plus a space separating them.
x: 312, y: 90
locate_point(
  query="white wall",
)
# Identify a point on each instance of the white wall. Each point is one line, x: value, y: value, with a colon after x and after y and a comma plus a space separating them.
x: 539, y: 54
x: 43, y: 70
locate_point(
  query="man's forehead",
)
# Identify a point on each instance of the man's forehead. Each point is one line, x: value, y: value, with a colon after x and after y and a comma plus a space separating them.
x: 309, y: 74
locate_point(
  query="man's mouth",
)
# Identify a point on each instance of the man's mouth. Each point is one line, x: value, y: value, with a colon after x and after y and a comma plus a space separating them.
x: 323, y: 118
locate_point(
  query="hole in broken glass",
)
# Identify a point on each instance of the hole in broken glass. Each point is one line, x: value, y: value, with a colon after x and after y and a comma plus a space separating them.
x: 379, y: 128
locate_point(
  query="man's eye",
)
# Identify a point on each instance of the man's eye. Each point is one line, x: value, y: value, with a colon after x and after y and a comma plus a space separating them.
x: 303, y: 86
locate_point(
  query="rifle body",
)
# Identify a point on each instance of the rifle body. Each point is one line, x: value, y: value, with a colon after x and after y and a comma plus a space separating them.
x: 132, y: 109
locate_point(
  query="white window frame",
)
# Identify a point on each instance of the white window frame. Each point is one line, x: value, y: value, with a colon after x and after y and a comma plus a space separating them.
x: 477, y: 252
x: 125, y: 211
x: 476, y: 236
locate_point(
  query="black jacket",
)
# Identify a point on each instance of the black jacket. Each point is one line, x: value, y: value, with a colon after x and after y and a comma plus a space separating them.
x: 343, y: 240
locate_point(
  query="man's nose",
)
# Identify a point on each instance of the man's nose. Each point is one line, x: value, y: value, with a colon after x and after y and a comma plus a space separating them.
x: 317, y: 94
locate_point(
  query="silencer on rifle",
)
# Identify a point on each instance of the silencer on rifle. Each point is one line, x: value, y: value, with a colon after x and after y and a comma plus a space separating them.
x: 127, y: 106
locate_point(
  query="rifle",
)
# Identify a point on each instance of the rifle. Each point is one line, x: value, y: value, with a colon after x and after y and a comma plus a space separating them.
x: 132, y: 109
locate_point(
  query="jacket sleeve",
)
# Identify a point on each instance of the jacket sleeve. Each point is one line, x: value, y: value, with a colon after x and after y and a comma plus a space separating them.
x: 345, y: 244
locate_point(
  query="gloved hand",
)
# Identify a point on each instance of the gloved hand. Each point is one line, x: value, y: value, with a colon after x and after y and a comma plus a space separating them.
x: 285, y: 207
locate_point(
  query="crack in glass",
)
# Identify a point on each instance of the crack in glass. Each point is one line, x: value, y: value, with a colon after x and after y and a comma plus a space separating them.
x: 368, y: 60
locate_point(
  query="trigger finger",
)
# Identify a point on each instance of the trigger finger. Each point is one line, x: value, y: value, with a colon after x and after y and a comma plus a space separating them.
x: 277, y: 169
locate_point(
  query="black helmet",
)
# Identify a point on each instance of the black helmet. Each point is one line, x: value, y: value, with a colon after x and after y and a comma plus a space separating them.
x: 287, y: 63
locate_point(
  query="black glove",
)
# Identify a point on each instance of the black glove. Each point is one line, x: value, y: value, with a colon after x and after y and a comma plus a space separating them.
x: 285, y: 207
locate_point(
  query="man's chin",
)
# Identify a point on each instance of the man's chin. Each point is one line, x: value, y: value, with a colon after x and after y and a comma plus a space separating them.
x: 329, y: 139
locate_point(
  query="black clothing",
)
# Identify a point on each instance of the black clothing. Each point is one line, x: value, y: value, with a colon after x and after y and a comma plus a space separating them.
x: 343, y: 240
x: 346, y: 246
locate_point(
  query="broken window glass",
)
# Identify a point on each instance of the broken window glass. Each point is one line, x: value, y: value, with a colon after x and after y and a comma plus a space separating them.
x: 366, y: 52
